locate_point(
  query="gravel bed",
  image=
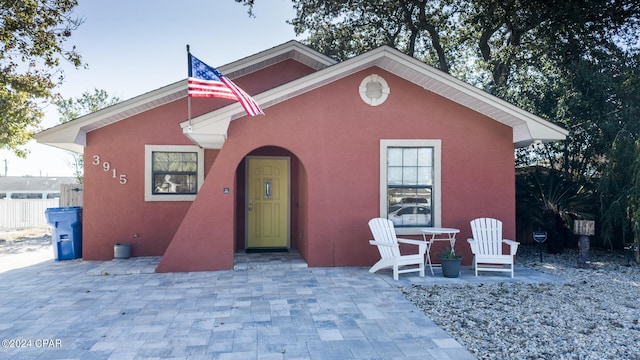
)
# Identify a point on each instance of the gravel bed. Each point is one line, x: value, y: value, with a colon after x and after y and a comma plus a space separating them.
x: 594, y: 315
x: 23, y: 241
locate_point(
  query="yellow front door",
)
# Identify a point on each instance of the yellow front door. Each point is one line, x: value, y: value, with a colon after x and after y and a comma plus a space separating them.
x: 267, y: 202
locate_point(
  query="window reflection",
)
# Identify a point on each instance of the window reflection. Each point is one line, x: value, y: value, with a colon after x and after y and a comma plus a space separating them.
x: 175, y: 172
x: 409, y: 185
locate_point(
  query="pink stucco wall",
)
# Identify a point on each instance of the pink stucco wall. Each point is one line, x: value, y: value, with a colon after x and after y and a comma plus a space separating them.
x: 334, y: 138
x: 117, y: 213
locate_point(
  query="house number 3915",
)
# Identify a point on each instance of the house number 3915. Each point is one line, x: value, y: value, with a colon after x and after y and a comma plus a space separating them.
x: 106, y: 166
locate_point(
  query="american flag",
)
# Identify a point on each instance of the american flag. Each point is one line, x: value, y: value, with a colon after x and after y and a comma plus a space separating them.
x: 205, y: 81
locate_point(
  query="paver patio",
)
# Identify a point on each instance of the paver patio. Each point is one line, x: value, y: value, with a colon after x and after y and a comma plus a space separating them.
x: 277, y: 310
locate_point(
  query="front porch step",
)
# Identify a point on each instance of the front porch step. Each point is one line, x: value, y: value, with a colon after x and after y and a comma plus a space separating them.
x: 268, y: 261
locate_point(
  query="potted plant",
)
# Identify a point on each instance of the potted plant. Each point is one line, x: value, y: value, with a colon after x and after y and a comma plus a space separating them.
x: 450, y: 263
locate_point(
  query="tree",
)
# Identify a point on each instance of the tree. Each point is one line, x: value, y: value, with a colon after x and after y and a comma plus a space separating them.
x: 489, y: 39
x: 32, y: 39
x: 595, y: 98
x: 248, y: 3
x: 616, y: 190
x: 343, y: 29
x: 70, y: 109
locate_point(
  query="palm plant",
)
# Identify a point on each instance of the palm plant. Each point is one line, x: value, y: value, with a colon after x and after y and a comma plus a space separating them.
x: 550, y: 200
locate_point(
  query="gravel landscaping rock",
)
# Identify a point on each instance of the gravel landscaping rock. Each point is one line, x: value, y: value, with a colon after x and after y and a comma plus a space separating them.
x: 594, y: 315
x: 23, y: 241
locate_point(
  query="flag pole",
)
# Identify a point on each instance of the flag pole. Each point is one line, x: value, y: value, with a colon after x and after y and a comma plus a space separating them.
x: 189, y: 129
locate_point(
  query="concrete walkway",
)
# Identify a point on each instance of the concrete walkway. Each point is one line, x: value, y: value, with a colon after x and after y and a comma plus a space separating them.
x: 271, y: 308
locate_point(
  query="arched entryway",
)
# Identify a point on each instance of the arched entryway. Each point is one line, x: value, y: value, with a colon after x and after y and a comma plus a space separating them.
x: 296, y: 213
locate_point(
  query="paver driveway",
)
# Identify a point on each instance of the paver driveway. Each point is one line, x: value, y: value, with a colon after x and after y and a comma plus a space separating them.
x: 56, y: 310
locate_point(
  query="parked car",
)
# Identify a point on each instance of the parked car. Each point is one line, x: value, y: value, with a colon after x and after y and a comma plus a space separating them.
x: 408, y: 201
x: 413, y: 200
x: 411, y: 215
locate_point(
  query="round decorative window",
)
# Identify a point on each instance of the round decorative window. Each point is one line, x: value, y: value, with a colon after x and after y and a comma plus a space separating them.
x: 374, y: 90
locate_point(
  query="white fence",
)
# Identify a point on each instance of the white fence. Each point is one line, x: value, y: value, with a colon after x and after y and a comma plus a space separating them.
x: 24, y: 214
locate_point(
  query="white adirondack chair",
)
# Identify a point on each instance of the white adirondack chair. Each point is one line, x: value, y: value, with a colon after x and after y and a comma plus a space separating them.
x: 388, y: 244
x: 486, y: 246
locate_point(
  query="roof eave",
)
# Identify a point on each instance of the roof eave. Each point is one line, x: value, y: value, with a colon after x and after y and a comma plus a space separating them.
x: 527, y: 128
x: 289, y: 50
x: 534, y: 132
x: 72, y: 135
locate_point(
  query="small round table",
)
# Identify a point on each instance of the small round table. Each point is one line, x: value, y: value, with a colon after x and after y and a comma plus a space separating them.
x: 433, y: 234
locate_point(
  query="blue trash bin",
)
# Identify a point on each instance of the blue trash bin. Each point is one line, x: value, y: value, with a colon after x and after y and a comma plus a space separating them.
x: 66, y: 234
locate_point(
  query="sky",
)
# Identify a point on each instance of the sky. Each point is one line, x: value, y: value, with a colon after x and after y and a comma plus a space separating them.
x: 133, y: 47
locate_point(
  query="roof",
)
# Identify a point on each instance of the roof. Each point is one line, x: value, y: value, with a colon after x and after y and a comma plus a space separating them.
x: 30, y: 183
x: 210, y: 130
x: 72, y: 135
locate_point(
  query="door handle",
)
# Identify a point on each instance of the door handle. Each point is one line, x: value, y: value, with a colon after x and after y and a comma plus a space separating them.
x: 267, y: 189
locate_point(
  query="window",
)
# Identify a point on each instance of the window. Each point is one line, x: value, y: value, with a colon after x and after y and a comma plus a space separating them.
x: 374, y: 90
x: 26, y: 196
x: 173, y: 173
x: 410, y: 184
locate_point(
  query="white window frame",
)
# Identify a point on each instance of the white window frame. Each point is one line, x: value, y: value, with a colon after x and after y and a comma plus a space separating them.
x: 436, y: 144
x: 148, y: 171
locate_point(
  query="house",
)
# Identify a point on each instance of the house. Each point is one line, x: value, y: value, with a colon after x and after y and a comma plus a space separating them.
x: 340, y: 143
x: 31, y: 187
x: 24, y: 199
